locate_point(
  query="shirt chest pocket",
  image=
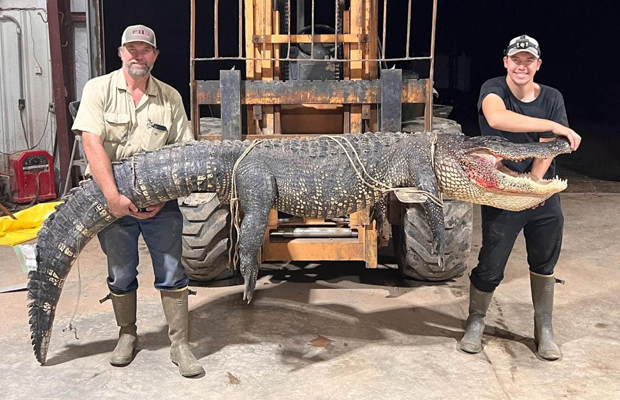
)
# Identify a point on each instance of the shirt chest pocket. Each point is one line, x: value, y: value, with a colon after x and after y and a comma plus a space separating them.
x: 116, y: 127
x: 155, y: 136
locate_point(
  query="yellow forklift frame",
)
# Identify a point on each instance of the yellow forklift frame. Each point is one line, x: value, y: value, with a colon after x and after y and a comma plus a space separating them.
x: 362, y: 101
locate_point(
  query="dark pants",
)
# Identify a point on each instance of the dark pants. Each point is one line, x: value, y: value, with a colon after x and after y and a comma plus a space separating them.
x: 542, y: 229
x: 162, y: 235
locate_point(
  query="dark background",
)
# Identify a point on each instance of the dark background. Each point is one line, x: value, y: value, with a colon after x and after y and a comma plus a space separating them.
x: 579, y: 48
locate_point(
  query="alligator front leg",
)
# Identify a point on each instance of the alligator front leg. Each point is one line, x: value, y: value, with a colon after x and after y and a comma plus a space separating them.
x: 257, y: 191
x: 426, y: 180
x: 434, y: 214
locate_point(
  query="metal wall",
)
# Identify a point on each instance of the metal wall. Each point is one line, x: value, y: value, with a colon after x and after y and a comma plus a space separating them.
x: 80, y: 49
x: 80, y: 58
x: 26, y: 19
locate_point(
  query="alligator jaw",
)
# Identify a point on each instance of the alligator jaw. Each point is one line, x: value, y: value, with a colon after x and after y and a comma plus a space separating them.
x: 520, y: 151
x: 503, y: 188
x: 498, y: 178
x: 513, y: 181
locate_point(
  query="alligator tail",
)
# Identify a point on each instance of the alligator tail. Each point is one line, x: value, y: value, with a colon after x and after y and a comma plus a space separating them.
x: 63, y: 235
x: 146, y: 178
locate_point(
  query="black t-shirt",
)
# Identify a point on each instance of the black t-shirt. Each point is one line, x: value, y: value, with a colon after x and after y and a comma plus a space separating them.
x: 548, y: 105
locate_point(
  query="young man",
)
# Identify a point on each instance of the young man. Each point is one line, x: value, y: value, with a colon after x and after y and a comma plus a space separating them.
x: 518, y: 109
x: 122, y: 113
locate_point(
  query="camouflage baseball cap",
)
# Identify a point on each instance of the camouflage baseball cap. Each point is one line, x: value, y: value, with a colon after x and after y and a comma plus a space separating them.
x: 139, y: 33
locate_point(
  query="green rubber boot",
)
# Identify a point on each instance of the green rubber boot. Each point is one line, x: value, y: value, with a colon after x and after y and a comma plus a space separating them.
x: 125, y: 312
x: 177, y: 315
x: 479, y: 302
x: 542, y: 297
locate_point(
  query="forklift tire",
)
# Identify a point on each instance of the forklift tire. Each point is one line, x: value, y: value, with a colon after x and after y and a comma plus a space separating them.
x: 413, y: 242
x: 206, y: 227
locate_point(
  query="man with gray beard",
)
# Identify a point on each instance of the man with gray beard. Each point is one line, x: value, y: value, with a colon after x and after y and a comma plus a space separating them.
x: 120, y: 114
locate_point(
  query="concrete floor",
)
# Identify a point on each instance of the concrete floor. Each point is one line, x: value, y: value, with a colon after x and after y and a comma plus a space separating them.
x: 337, y: 331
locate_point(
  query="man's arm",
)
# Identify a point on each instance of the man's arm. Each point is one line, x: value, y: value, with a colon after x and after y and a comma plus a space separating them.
x: 541, y: 165
x: 101, y: 169
x: 90, y: 123
x: 502, y: 119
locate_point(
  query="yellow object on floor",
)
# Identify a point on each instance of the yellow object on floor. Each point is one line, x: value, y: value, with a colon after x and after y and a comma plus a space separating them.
x: 27, y: 224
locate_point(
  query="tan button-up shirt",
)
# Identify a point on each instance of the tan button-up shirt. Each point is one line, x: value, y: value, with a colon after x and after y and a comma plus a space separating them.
x: 108, y: 111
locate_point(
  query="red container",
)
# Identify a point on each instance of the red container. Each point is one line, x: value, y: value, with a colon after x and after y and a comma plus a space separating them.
x: 32, y: 176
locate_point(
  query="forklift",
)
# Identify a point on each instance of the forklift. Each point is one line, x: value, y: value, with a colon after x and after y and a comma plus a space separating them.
x: 308, y: 75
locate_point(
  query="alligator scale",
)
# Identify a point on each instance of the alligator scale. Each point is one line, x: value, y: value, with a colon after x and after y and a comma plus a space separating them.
x: 322, y: 177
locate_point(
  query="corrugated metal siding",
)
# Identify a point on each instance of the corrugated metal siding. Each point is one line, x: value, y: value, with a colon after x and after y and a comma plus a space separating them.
x: 80, y: 56
x: 39, y: 123
x: 80, y: 50
x: 78, y: 5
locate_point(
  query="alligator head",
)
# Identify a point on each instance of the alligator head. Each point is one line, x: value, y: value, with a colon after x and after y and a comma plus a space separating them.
x: 471, y: 169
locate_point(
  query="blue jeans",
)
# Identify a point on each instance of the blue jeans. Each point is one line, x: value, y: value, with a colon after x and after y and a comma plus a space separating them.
x: 162, y: 235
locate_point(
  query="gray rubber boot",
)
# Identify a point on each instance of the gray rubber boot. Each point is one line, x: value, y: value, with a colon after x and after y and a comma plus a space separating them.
x: 177, y: 315
x: 125, y: 312
x: 542, y: 297
x: 479, y: 302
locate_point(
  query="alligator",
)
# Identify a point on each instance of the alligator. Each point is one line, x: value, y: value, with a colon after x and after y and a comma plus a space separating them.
x: 322, y: 177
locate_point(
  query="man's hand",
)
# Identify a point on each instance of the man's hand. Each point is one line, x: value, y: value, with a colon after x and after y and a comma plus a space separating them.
x: 538, y: 205
x: 573, y: 138
x: 150, y: 211
x: 502, y: 119
x: 120, y: 206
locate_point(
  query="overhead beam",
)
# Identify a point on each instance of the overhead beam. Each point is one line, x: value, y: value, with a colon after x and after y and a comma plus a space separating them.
x: 311, y: 92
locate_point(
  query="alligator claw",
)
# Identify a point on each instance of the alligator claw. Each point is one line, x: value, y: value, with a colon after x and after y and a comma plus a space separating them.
x: 250, y: 286
x: 439, y: 248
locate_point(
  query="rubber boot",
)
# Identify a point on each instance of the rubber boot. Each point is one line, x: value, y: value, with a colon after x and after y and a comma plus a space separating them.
x: 542, y: 297
x: 479, y: 302
x: 177, y: 315
x: 125, y: 312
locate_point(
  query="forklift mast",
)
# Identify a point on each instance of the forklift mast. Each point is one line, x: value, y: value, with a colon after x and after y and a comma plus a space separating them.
x: 303, y: 78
